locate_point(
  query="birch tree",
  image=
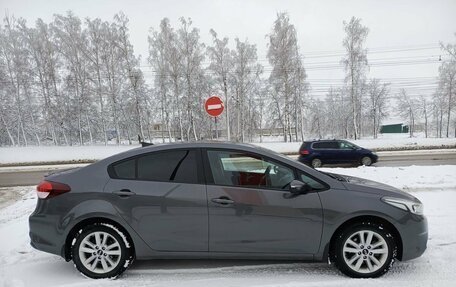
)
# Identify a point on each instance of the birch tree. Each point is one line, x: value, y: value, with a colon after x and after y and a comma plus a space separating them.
x: 287, y: 72
x: 356, y: 65
x: 221, y: 64
x: 408, y: 108
x: 245, y: 77
x: 192, y: 51
x: 377, y: 102
x: 447, y: 88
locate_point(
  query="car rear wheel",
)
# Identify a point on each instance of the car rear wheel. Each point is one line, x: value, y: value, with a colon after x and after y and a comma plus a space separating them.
x: 365, y: 250
x: 366, y: 161
x: 101, y: 251
x: 316, y: 162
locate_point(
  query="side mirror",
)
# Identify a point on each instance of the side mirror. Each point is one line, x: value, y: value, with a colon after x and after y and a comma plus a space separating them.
x: 299, y: 187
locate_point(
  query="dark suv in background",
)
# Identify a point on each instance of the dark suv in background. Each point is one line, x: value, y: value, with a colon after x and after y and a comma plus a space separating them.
x: 320, y: 152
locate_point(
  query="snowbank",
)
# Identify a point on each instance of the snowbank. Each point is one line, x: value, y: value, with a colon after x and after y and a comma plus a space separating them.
x: 407, y: 178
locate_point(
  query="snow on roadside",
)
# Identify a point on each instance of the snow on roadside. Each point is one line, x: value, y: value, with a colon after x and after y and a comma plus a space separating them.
x: 37, y: 154
x: 407, y: 178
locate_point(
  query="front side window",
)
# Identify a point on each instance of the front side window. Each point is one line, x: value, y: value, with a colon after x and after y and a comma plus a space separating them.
x: 346, y: 145
x: 167, y: 166
x: 314, y: 184
x: 235, y: 168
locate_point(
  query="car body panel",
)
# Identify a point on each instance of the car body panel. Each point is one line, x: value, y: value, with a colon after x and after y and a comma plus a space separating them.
x: 167, y: 216
x: 264, y: 221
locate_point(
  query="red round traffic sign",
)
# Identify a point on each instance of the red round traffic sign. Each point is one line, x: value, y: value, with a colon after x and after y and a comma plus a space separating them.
x: 214, y: 106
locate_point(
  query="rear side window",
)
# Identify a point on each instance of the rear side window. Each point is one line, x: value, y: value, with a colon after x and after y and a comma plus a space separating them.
x: 326, y: 145
x: 125, y: 169
x: 168, y: 166
x: 175, y: 166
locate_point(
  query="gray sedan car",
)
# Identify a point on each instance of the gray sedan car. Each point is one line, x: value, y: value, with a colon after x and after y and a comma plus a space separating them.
x: 222, y: 200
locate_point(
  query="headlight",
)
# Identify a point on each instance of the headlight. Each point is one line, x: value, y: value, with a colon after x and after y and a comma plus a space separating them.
x: 405, y: 204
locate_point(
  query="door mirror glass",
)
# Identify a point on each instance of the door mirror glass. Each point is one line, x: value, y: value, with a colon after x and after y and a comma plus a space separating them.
x: 299, y: 187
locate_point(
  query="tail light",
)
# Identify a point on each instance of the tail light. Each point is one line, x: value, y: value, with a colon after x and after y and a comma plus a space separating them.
x: 47, y: 189
x: 304, y: 152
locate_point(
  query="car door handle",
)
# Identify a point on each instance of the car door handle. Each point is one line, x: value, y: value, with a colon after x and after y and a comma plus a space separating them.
x: 123, y: 192
x: 223, y: 200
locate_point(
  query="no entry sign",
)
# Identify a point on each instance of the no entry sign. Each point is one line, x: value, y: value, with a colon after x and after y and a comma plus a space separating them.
x: 214, y: 106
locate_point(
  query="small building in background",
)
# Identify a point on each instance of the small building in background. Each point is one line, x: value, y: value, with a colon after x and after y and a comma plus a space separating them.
x: 397, y: 128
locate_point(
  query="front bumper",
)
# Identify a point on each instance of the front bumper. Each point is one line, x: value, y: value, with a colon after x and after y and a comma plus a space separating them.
x: 414, y: 237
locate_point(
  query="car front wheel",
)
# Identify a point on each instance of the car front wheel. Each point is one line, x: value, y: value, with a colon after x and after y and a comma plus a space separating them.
x: 366, y: 161
x: 101, y: 251
x: 365, y: 250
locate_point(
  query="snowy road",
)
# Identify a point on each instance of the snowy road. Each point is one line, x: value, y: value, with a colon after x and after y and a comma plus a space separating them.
x: 21, y: 265
x: 29, y: 175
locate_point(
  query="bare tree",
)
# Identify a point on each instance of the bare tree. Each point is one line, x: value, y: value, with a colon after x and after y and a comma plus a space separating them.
x: 288, y: 74
x: 192, y: 51
x: 245, y: 77
x: 377, y: 94
x: 355, y: 63
x: 425, y: 112
x: 221, y: 66
x: 408, y: 107
x: 447, y: 87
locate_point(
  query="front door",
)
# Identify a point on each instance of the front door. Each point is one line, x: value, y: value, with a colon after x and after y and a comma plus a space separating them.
x: 251, y: 209
x: 347, y: 152
x: 162, y: 196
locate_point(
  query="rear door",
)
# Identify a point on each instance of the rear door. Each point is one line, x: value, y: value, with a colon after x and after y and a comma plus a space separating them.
x: 327, y: 151
x: 162, y: 196
x: 251, y: 209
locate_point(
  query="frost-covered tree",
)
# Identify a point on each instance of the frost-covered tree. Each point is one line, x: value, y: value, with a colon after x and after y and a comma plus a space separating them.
x: 355, y: 64
x: 377, y: 94
x: 447, y: 88
x: 221, y: 65
x: 408, y: 108
x: 245, y: 78
x: 287, y: 78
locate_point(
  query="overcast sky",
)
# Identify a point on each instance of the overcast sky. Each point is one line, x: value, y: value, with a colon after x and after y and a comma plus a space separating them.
x: 403, y: 39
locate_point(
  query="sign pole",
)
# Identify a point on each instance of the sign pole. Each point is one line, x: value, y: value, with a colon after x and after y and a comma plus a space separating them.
x: 216, y: 131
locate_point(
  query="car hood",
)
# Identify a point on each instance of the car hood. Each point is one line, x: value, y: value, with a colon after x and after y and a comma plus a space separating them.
x: 370, y: 186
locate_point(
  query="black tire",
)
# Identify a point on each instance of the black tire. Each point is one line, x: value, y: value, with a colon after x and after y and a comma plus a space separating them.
x: 123, y: 261
x: 366, y: 161
x: 316, y: 163
x: 338, y: 251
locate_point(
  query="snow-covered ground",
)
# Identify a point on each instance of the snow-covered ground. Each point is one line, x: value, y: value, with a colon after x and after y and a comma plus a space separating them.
x: 410, y: 178
x: 21, y: 265
x: 42, y: 154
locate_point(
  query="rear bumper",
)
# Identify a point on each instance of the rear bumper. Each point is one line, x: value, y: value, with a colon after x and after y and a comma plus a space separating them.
x: 44, y: 235
x: 414, y: 237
